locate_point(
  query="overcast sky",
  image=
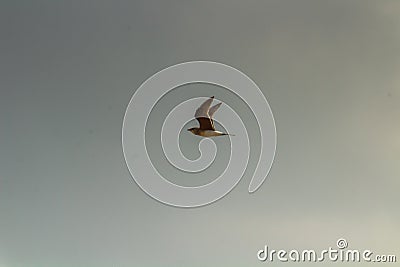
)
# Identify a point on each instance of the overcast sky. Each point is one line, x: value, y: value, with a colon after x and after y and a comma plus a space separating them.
x: 329, y: 69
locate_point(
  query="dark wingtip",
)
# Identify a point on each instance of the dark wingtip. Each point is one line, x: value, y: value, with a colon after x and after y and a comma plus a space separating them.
x: 212, y: 97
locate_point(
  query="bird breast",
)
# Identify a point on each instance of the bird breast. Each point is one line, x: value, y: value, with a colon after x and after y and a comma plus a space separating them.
x: 209, y: 133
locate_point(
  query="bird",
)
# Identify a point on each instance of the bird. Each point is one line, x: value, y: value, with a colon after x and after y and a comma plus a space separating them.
x: 204, y: 116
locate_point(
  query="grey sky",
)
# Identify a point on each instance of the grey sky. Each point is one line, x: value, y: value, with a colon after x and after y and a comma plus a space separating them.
x: 329, y: 70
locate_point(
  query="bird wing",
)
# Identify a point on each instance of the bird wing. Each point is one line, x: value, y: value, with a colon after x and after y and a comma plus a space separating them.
x: 203, y: 117
x: 202, y: 111
x: 214, y: 108
x: 205, y: 123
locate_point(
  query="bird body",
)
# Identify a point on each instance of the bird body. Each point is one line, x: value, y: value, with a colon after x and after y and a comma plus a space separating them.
x: 204, y: 116
x: 206, y: 133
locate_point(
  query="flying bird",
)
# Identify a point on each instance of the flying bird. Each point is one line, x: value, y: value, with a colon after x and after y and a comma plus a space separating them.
x: 204, y: 116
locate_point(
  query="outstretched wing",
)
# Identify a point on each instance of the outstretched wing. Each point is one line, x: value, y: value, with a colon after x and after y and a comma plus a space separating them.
x: 203, y: 117
x: 202, y: 111
x: 214, y: 108
x: 206, y: 123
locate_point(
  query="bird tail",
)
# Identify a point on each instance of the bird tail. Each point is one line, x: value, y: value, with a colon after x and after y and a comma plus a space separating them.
x: 228, y: 134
